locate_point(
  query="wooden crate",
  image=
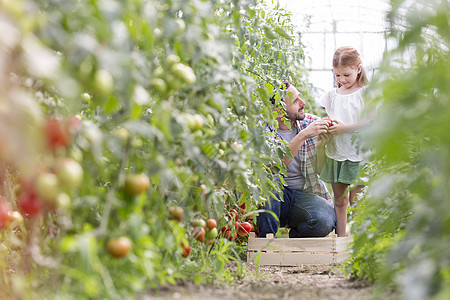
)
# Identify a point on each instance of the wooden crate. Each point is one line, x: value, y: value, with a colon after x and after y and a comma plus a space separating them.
x: 328, y: 250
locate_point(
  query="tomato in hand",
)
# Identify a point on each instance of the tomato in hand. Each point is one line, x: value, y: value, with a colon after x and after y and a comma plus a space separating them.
x: 328, y: 119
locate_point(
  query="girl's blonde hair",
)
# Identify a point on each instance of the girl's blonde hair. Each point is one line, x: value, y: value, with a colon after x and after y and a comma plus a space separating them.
x: 349, y: 57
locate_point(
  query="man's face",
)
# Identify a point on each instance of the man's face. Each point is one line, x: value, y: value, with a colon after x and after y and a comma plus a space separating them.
x: 295, y: 106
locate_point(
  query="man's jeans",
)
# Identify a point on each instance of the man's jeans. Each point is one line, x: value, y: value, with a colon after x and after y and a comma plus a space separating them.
x: 306, y: 214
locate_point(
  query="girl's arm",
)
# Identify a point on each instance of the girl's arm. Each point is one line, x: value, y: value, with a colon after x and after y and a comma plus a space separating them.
x: 339, y: 127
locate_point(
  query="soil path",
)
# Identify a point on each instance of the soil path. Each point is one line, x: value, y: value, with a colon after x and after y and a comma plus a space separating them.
x: 305, y: 282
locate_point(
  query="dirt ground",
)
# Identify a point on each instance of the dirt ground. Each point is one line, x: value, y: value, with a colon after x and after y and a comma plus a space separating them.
x: 311, y: 282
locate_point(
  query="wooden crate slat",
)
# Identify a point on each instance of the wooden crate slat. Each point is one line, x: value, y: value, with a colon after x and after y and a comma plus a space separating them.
x: 296, y: 259
x: 343, y: 243
x: 298, y: 251
x: 297, y: 244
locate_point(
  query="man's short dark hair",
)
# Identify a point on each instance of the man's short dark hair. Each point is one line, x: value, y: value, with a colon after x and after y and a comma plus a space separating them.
x: 285, y: 83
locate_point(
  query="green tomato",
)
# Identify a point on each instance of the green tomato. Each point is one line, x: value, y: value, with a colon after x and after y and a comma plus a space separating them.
x: 184, y: 73
x: 103, y: 81
x: 47, y: 186
x: 172, y: 59
x: 211, y: 233
x: 159, y: 85
x: 70, y: 173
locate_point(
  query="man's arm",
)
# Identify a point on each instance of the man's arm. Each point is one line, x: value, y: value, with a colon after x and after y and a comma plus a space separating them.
x: 313, y: 129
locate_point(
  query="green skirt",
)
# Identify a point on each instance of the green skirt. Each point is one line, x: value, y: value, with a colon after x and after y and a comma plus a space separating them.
x: 339, y: 171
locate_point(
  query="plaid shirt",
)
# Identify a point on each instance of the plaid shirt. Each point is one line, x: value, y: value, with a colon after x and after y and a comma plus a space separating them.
x: 308, y: 157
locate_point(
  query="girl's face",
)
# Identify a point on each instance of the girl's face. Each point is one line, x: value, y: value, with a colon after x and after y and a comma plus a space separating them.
x: 347, y: 76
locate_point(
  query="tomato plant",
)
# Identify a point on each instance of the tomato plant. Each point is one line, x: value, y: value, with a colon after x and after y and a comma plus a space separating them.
x: 135, y: 101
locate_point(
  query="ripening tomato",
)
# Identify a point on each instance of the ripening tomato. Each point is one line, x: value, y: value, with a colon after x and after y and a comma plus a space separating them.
x: 56, y: 133
x: 185, y: 250
x: 199, y: 233
x: 176, y: 213
x: 119, y: 247
x: 136, y: 184
x: 199, y: 223
x: 211, y: 223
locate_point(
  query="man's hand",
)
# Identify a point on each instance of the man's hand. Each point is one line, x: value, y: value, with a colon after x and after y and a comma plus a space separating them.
x: 316, y: 128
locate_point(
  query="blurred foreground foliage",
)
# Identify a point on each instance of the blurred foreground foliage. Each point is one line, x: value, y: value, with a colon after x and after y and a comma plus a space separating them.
x: 172, y: 89
x: 402, y: 229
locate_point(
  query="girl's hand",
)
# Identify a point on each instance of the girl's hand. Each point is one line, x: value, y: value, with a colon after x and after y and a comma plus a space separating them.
x: 337, y: 128
x: 322, y: 139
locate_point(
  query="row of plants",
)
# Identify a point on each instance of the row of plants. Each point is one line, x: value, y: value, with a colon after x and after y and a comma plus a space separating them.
x: 131, y: 147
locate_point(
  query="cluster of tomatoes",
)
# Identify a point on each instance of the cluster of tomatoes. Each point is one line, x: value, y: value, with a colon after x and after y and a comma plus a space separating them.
x: 235, y: 229
x: 51, y: 185
x: 206, y: 231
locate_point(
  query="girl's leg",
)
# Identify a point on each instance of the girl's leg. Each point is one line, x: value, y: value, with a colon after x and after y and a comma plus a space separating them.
x: 340, y: 206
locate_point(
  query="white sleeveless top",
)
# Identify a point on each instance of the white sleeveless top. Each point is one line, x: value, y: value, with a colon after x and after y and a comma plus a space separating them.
x: 346, y: 109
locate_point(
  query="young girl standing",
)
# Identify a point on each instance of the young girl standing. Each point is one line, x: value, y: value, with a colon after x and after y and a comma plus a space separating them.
x: 344, y: 105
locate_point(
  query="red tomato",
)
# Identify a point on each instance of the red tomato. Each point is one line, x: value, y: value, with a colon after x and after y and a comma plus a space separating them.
x: 56, y: 133
x: 233, y: 214
x: 30, y: 204
x: 119, y: 247
x: 185, y: 250
x: 236, y: 225
x: 5, y: 214
x: 230, y: 235
x: 244, y: 229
